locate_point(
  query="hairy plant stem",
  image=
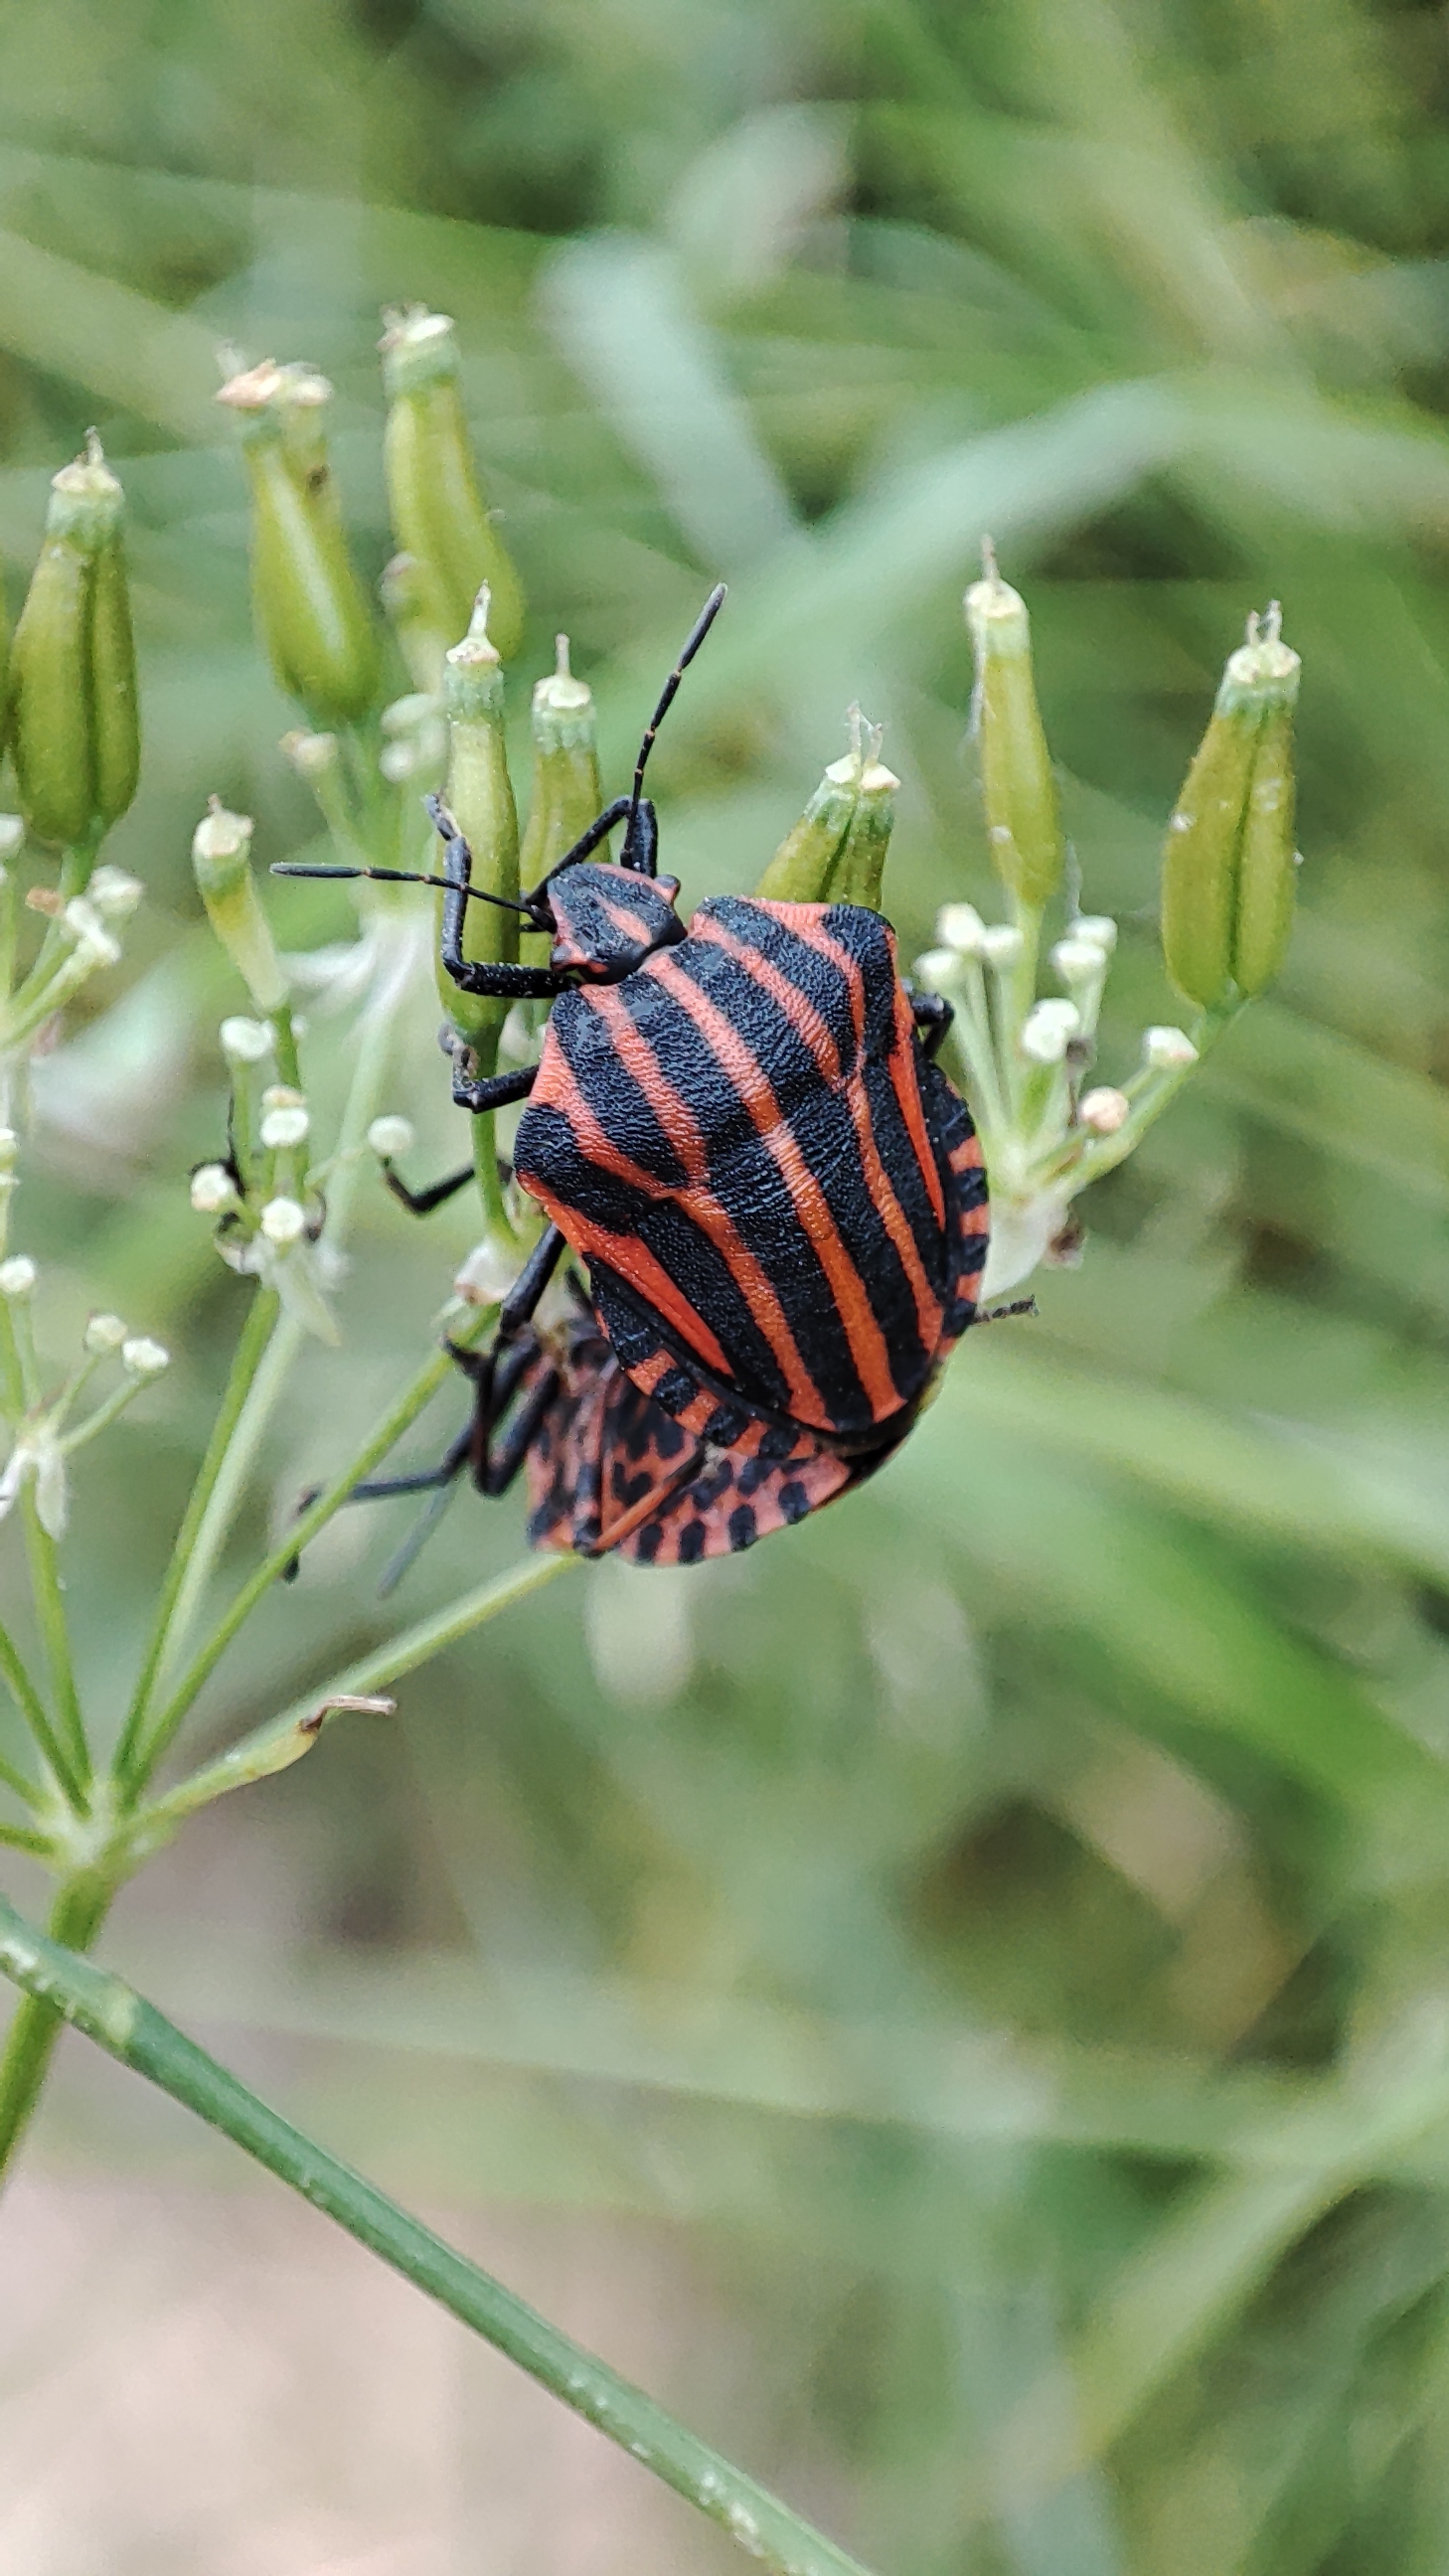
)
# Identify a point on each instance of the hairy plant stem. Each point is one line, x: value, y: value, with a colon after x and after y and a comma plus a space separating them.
x: 78, y: 1910
x: 64, y: 1987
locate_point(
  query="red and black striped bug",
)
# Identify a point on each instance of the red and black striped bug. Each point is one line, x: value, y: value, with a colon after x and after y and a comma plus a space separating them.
x: 738, y: 1128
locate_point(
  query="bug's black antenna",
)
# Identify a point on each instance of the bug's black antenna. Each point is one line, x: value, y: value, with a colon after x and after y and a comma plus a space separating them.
x: 402, y: 876
x: 697, y: 634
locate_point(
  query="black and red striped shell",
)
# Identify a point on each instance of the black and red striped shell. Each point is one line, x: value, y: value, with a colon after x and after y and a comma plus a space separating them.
x: 780, y: 1201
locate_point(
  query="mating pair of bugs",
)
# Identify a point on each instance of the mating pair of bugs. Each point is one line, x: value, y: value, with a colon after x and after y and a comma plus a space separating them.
x: 739, y: 1131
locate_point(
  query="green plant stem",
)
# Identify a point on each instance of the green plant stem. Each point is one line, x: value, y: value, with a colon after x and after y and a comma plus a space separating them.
x: 32, y: 1708
x: 50, y: 1613
x: 155, y: 1739
x: 65, y: 1987
x: 246, y: 1360
x: 26, y: 1838
x: 283, y: 1740
x: 79, y: 1909
x: 17, y: 1784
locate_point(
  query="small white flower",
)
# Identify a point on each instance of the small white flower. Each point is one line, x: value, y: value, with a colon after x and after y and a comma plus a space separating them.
x: 212, y: 1189
x: 1048, y: 1030
x: 12, y: 837
x: 17, y: 1275
x: 413, y: 713
x: 93, y: 941
x: 1104, y: 1111
x: 1168, y: 1050
x: 399, y: 761
x: 283, y: 1221
x: 245, y: 1041
x: 1001, y: 945
x: 104, y: 1333
x: 282, y: 1127
x: 1097, y: 927
x: 960, y: 926
x: 389, y: 1137
x: 114, y: 894
x: 311, y: 754
x: 939, y: 966
x: 141, y: 1357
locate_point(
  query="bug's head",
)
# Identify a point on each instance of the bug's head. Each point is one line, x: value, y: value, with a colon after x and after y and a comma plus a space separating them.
x: 606, y: 921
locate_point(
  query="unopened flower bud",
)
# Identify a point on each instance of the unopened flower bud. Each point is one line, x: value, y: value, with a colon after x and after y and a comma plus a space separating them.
x: 389, y: 1137
x: 938, y: 966
x: 141, y: 1357
x: 1048, y: 1030
x: 479, y: 796
x: 1097, y: 927
x: 1023, y: 824
x: 309, y: 603
x: 1168, y: 1050
x: 566, y: 790
x: 17, y: 1275
x: 212, y: 1189
x: 312, y: 755
x: 1229, y: 860
x: 960, y: 926
x: 1102, y: 1112
x: 438, y: 511
x: 104, y: 1333
x: 281, y: 1128
x: 221, y: 851
x: 114, y: 894
x: 1079, y: 961
x: 71, y: 694
x: 283, y: 1221
x: 12, y: 837
x: 245, y: 1041
x: 488, y: 1272
x: 1001, y: 946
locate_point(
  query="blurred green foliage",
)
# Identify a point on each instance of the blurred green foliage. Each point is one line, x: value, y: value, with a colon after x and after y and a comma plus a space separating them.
x: 1004, y: 1921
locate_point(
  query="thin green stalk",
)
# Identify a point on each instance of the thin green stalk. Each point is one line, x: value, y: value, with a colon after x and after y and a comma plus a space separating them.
x: 49, y: 1600
x: 283, y: 1740
x: 26, y: 1838
x: 256, y: 1333
x: 150, y: 1747
x: 18, y: 1786
x: 32, y: 1708
x: 132, y: 2031
x: 76, y: 1916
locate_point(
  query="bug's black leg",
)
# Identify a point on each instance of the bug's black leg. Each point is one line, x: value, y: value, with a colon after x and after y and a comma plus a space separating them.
x: 511, y: 983
x: 494, y: 1469
x: 492, y: 1090
x: 933, y: 1015
x: 423, y: 1202
x: 522, y: 1298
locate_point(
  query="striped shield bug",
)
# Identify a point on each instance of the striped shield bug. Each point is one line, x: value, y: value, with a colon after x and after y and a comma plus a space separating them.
x: 738, y: 1128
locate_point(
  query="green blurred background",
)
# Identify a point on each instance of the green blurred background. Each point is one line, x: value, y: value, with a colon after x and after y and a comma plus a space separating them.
x: 957, y: 1999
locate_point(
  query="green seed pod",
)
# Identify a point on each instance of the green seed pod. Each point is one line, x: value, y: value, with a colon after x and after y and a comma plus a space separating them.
x: 479, y: 795
x: 71, y: 694
x: 221, y: 854
x: 1228, y: 862
x: 836, y: 852
x: 857, y: 874
x: 439, y: 515
x: 405, y: 592
x: 113, y: 672
x: 1023, y: 823
x: 566, y: 789
x: 310, y: 607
